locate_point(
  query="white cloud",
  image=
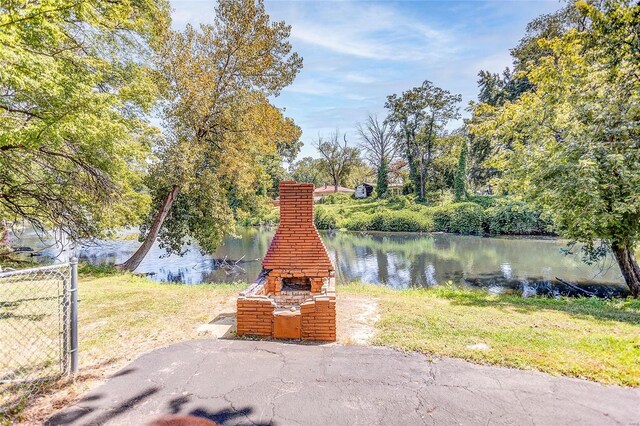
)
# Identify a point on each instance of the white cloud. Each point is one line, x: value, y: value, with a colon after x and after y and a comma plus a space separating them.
x: 368, y: 30
x: 357, y: 77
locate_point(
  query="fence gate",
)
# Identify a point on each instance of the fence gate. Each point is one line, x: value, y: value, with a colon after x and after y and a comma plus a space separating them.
x: 38, y: 331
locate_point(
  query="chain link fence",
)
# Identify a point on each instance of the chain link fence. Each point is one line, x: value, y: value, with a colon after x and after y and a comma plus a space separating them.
x: 38, y: 332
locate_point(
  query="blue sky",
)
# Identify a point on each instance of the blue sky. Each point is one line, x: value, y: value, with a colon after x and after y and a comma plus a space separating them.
x: 358, y: 52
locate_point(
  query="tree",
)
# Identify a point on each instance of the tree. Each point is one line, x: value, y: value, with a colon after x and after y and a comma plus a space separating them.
x: 75, y: 94
x: 337, y: 159
x: 460, y: 180
x: 309, y: 170
x: 360, y: 172
x: 574, y: 142
x: 422, y: 114
x: 496, y: 89
x: 378, y: 141
x: 221, y: 127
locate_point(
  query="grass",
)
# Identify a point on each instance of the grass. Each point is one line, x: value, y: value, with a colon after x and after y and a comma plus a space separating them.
x: 589, y: 338
x: 122, y: 316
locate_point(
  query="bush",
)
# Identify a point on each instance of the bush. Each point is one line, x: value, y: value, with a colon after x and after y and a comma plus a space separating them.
x: 390, y: 221
x: 358, y: 222
x: 403, y: 221
x: 325, y: 219
x: 267, y: 215
x: 468, y: 218
x: 337, y: 198
x: 441, y: 216
x: 484, y: 200
x: 461, y: 218
x: 515, y: 217
x: 398, y: 202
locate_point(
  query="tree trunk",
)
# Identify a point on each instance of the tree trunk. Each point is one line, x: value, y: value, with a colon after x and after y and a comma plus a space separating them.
x: 134, y: 261
x: 628, y: 266
x: 335, y: 183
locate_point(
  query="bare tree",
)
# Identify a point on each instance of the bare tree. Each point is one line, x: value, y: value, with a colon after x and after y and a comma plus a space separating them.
x: 337, y: 158
x: 378, y: 141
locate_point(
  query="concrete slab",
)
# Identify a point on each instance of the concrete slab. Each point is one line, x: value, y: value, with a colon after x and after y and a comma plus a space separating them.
x: 235, y: 382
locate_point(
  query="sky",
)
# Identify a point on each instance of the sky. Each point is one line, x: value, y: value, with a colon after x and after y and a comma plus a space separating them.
x: 356, y: 53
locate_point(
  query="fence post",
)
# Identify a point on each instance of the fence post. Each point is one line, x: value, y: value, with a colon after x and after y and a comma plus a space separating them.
x: 74, y: 314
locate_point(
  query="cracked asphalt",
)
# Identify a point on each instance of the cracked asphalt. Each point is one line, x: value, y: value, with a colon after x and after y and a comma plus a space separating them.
x: 235, y: 382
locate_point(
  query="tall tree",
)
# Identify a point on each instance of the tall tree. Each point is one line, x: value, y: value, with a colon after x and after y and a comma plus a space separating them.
x: 221, y: 126
x: 422, y: 114
x: 74, y: 98
x: 572, y: 146
x: 337, y: 158
x: 460, y: 180
x: 378, y: 141
x: 496, y: 89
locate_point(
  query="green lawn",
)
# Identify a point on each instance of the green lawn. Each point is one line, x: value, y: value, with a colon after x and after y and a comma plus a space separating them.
x: 589, y: 338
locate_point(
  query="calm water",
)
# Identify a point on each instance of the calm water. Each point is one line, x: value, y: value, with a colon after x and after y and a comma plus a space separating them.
x: 524, y: 265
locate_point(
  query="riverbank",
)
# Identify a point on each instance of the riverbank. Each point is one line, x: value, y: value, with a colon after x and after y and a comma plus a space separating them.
x: 477, y: 215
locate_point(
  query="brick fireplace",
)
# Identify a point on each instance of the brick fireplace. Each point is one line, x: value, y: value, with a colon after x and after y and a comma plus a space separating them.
x: 294, y: 296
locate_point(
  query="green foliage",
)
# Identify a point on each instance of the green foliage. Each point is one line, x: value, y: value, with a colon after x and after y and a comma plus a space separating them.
x: 225, y: 139
x: 309, y: 170
x: 484, y: 200
x: 491, y: 215
x: 382, y: 179
x: 267, y: 216
x: 571, y: 146
x: 77, y: 89
x: 389, y: 221
x: 421, y: 115
x: 337, y: 198
x: 358, y: 222
x: 460, y: 184
x: 515, y: 218
x: 460, y: 218
x: 325, y: 218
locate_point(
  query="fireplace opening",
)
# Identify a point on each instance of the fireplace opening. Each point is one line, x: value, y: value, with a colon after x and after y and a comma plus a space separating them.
x: 296, y: 284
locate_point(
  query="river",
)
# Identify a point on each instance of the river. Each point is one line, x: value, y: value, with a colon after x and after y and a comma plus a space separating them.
x: 525, y: 266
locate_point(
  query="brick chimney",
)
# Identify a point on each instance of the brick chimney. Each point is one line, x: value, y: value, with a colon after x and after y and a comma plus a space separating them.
x: 297, y: 255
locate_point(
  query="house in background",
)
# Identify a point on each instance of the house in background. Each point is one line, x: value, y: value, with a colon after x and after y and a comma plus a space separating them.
x: 322, y: 191
x: 364, y: 190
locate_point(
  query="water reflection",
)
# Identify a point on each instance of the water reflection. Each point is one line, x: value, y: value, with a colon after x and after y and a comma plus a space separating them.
x: 400, y: 260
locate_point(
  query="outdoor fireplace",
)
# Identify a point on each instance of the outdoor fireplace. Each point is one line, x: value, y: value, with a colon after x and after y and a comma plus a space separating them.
x: 294, y: 296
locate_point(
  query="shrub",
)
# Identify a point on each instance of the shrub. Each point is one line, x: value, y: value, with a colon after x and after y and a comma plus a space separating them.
x: 358, y: 222
x: 462, y: 218
x: 468, y: 218
x: 337, y: 198
x: 484, y: 200
x: 402, y: 221
x: 515, y: 217
x: 266, y: 215
x: 390, y: 221
x: 401, y: 201
x: 325, y: 218
x: 441, y: 216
